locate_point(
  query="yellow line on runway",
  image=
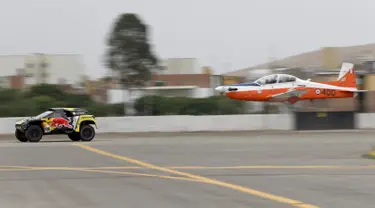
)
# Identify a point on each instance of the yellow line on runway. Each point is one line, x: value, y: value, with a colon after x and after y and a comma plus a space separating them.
x: 140, y: 174
x: 241, y: 167
x: 276, y: 167
x: 227, y: 167
x: 115, y: 172
x: 97, y: 171
x: 253, y: 192
x: 10, y: 170
x: 14, y: 168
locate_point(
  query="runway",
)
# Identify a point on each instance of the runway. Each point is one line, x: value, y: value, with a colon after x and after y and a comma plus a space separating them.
x: 306, y: 170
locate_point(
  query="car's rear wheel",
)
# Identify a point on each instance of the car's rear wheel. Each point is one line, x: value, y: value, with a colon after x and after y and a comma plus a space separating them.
x: 87, y: 133
x: 20, y: 136
x: 75, y: 136
x: 34, y: 133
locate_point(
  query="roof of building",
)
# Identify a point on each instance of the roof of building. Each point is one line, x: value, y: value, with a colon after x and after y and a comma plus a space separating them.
x: 327, y: 57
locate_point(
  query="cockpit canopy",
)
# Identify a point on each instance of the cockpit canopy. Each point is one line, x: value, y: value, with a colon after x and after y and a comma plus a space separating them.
x: 275, y: 78
x: 246, y: 84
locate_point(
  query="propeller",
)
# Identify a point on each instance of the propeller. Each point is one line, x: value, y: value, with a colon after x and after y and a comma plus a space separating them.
x: 221, y: 84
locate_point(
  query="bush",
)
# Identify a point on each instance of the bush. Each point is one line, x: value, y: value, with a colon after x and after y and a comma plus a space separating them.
x: 216, y: 105
x: 17, y: 103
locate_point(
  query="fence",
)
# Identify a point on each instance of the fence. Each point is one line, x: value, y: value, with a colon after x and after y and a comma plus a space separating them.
x: 206, y: 123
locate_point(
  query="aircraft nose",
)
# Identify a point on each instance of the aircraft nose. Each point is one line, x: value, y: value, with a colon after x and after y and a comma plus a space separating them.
x: 220, y: 89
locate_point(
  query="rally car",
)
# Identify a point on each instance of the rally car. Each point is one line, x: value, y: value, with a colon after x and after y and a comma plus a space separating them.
x: 77, y: 123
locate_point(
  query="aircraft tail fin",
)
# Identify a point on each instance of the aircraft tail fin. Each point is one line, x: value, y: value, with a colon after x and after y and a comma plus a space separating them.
x: 347, y: 77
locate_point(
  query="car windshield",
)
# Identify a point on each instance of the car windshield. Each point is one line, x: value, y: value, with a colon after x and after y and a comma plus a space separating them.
x: 44, y: 114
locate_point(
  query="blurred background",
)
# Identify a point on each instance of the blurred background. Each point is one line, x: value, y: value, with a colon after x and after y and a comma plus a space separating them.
x: 71, y: 54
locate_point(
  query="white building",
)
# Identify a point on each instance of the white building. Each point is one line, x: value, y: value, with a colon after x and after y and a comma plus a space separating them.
x: 180, y: 66
x: 119, y: 96
x: 173, y: 66
x: 44, y: 68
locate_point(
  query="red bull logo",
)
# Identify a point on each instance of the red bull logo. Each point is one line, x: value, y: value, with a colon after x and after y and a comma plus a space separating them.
x: 61, y: 122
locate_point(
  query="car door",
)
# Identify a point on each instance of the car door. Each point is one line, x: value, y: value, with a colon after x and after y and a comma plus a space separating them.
x: 69, y: 115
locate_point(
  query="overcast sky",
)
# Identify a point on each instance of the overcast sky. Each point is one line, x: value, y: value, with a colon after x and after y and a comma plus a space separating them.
x: 227, y: 35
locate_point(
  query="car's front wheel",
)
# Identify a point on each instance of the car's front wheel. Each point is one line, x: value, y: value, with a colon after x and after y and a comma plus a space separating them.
x: 20, y: 136
x: 87, y: 133
x: 34, y: 133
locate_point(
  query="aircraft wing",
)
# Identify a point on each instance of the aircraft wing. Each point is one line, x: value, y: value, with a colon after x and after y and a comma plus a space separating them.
x: 347, y: 89
x: 288, y: 94
x: 354, y: 90
x: 291, y: 95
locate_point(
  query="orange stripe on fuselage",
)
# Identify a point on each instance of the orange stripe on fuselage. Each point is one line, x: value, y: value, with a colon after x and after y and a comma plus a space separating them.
x: 312, y: 94
x: 266, y: 95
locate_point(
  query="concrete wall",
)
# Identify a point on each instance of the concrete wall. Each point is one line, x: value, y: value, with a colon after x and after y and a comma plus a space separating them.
x: 365, y: 121
x: 195, y: 123
x: 180, y: 123
x: 369, y: 82
x: 117, y: 95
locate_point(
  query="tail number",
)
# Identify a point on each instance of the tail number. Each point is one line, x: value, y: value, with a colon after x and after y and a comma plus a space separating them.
x: 329, y: 92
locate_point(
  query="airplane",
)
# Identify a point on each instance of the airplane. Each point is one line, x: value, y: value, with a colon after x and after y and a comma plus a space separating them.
x: 290, y: 89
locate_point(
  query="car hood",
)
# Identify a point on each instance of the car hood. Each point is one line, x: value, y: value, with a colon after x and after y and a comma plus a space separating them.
x: 26, y: 120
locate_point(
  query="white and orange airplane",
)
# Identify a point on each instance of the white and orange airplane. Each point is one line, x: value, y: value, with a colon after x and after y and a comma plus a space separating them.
x: 290, y: 89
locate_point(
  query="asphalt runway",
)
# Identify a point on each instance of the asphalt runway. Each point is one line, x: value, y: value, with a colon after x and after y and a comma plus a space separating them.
x: 306, y: 170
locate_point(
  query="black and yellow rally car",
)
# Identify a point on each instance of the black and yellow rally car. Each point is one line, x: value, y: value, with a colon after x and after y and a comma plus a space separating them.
x: 74, y: 122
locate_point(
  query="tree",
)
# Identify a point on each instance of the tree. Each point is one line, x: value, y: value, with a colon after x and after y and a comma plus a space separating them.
x: 129, y: 52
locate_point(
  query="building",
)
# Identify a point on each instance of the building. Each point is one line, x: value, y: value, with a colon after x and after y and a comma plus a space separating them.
x: 98, y: 89
x: 65, y: 70
x: 324, y: 58
x: 15, y: 82
x: 180, y: 77
x: 180, y: 66
x: 43, y: 68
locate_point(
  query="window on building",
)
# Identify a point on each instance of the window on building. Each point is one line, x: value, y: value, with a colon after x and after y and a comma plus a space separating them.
x: 20, y: 72
x: 43, y: 65
x: 30, y: 65
x: 159, y: 83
